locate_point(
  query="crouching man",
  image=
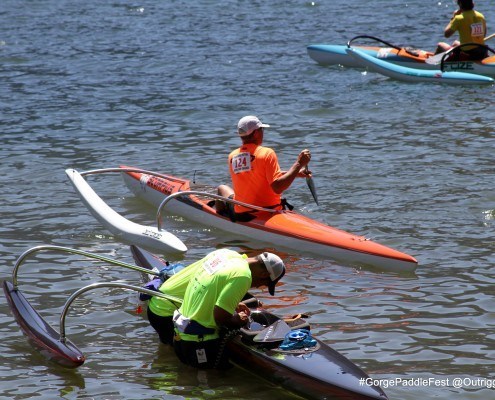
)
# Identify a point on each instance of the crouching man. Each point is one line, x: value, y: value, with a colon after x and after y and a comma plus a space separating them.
x: 212, y: 304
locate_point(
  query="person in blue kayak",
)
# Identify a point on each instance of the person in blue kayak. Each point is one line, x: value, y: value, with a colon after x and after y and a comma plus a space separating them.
x: 471, y: 26
x: 212, y: 306
x: 256, y: 174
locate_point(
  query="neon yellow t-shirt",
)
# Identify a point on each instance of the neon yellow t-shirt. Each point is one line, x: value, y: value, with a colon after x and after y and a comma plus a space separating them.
x: 175, y: 286
x: 223, y: 280
x: 471, y: 26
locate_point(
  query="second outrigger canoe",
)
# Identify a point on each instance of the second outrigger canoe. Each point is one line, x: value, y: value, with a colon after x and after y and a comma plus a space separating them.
x: 331, y: 54
x: 285, y: 229
x: 407, y: 74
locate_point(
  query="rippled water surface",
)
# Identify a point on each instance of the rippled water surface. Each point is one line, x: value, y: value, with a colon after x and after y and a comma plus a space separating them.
x: 161, y: 85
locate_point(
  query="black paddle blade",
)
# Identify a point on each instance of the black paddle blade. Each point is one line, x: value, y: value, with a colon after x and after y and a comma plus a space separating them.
x: 274, y: 333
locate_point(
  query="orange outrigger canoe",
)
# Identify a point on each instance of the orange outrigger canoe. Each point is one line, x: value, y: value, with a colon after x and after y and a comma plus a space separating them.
x: 282, y: 228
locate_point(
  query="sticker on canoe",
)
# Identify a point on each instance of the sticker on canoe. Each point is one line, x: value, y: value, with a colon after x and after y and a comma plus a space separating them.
x: 151, y: 233
x: 144, y: 181
x: 383, y: 53
x: 156, y: 183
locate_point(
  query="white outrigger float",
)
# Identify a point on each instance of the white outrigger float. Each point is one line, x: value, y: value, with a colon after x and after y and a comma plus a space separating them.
x: 150, y: 237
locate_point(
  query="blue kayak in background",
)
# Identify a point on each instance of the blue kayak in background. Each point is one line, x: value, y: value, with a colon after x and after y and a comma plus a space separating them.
x: 414, y: 74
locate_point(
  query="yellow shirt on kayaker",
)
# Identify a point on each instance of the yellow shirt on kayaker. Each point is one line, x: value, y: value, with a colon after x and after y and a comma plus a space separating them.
x: 471, y: 26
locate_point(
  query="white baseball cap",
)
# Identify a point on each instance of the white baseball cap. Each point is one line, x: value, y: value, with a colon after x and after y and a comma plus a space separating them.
x: 248, y: 124
x: 275, y: 267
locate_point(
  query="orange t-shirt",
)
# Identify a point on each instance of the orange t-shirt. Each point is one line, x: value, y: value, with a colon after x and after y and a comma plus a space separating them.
x: 252, y: 169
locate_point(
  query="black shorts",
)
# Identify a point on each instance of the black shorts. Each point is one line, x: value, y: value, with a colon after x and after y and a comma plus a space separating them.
x: 478, y: 53
x: 208, y: 354
x: 164, y: 326
x: 474, y: 54
x: 239, y: 217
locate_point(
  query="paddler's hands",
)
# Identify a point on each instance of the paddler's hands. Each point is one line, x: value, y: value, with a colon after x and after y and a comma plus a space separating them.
x: 305, y: 173
x: 297, y: 170
x: 241, y: 318
x: 303, y: 160
x: 242, y: 314
x: 241, y: 307
x: 304, y: 157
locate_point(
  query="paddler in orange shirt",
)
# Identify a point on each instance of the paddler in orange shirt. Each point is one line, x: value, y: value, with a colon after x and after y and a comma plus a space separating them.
x: 471, y: 26
x: 255, y: 172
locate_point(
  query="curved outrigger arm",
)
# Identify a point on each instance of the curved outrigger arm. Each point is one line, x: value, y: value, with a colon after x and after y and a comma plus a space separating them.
x: 32, y: 250
x: 177, y: 301
x: 372, y: 38
x: 127, y: 169
x: 211, y: 195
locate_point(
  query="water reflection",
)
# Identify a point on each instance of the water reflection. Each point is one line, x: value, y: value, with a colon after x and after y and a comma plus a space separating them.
x: 169, y: 376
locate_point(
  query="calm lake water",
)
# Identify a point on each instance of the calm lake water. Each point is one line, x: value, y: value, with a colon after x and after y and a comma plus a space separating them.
x: 161, y: 85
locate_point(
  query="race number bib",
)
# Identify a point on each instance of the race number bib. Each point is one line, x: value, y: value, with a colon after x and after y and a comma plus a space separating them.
x: 241, y: 163
x: 477, y: 30
x: 213, y: 265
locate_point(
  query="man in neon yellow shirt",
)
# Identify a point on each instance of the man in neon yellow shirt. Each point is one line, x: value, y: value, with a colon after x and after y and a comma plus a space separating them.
x: 255, y: 172
x: 471, y: 26
x: 212, y: 303
x: 161, y: 310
